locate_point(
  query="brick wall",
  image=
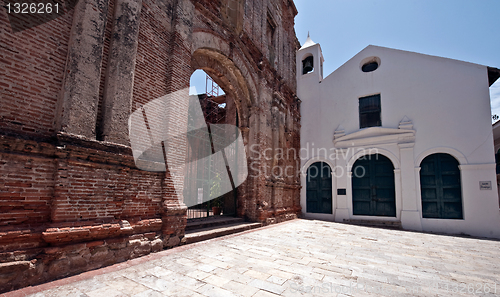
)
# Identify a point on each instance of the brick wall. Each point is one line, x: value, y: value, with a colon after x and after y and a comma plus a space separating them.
x: 153, y: 53
x: 89, y: 191
x: 31, y: 71
x: 27, y: 189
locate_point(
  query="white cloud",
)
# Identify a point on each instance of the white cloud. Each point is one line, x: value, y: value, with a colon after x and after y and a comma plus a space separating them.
x: 495, y: 98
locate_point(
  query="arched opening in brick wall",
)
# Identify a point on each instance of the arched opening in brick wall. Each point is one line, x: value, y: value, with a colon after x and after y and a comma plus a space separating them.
x: 227, y: 75
x: 222, y: 93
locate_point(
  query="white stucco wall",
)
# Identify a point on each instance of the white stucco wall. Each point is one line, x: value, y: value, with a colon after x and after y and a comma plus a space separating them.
x: 446, y: 101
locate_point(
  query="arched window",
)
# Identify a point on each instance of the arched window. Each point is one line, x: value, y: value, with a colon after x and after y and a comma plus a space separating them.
x: 373, y: 190
x: 319, y: 188
x: 441, y: 188
x: 307, y: 65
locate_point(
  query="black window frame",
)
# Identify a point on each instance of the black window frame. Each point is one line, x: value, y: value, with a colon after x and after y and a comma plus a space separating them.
x: 370, y: 116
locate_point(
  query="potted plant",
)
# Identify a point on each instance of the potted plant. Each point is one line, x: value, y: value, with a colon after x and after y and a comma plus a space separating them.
x: 217, y: 207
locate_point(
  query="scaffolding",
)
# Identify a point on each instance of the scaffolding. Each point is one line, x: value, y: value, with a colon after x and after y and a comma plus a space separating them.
x: 212, y: 88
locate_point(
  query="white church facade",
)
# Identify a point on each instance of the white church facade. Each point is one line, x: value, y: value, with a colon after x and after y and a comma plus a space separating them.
x: 401, y: 137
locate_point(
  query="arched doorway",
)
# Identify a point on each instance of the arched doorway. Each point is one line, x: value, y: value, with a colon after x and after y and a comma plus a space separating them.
x: 319, y: 188
x: 230, y: 108
x: 441, y: 188
x: 373, y: 189
x: 211, y: 188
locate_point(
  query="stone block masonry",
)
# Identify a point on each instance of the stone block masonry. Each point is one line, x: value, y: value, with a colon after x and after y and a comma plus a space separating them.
x: 71, y: 197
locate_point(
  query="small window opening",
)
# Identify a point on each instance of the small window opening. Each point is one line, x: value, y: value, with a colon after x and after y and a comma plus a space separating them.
x: 369, y: 111
x: 307, y: 65
x: 369, y: 67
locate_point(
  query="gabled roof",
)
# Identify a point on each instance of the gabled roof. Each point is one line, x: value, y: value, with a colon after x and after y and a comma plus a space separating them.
x: 493, y: 73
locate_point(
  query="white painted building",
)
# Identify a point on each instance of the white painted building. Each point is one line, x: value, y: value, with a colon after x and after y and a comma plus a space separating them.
x: 406, y: 137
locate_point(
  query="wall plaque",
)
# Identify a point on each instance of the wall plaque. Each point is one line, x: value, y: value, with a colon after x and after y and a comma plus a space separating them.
x: 485, y: 185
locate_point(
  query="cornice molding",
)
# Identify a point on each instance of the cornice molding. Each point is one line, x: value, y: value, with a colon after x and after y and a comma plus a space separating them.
x: 375, y: 135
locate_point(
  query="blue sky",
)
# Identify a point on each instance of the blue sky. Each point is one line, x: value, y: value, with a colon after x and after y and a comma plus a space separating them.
x: 198, y: 81
x: 458, y: 29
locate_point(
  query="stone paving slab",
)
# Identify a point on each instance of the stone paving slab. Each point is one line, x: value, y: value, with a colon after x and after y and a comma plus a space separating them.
x: 300, y: 258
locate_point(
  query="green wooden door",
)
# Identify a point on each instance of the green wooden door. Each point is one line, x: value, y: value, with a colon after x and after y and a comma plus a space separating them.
x: 373, y: 192
x: 440, y: 187
x: 319, y: 188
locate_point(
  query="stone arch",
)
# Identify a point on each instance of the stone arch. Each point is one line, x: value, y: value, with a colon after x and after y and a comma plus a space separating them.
x: 210, y: 40
x: 227, y: 75
x: 303, y: 170
x: 386, y: 153
x: 462, y: 160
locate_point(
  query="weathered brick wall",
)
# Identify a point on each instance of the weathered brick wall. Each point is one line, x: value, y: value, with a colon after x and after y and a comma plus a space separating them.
x: 153, y: 53
x: 71, y: 197
x: 31, y: 72
x: 106, y: 192
x: 67, y: 209
x: 265, y: 62
x: 27, y: 189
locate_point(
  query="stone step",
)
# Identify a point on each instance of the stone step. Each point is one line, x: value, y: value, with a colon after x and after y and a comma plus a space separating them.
x: 376, y: 223
x: 197, y: 235
x: 211, y: 222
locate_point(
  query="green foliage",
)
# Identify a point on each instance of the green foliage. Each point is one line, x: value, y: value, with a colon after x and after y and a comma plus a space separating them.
x: 215, y: 190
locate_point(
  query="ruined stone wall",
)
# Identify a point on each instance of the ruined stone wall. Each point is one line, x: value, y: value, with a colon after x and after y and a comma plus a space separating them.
x: 71, y: 197
x: 261, y: 47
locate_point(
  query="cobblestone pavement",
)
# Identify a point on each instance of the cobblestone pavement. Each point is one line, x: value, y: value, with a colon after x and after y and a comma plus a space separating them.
x: 303, y: 258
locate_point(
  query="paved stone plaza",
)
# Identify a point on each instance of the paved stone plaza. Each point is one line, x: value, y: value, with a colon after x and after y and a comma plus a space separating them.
x: 301, y: 258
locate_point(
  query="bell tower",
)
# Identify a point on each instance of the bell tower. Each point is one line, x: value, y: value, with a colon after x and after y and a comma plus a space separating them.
x: 309, y: 66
